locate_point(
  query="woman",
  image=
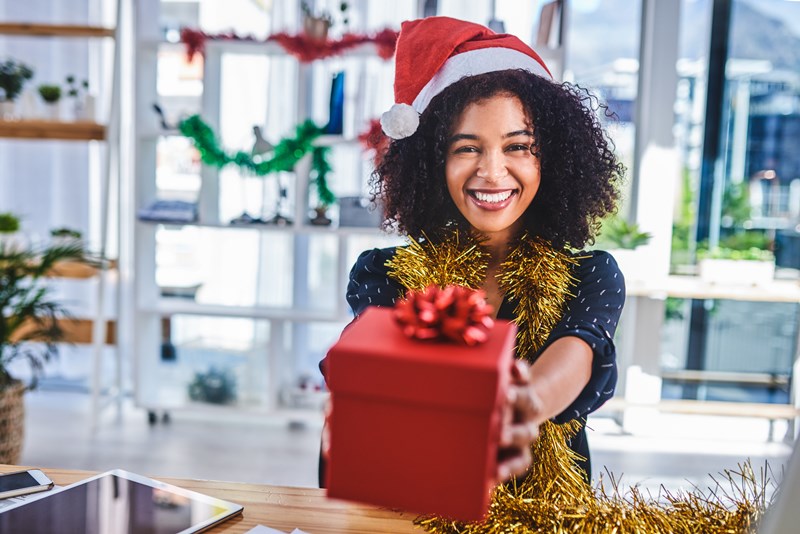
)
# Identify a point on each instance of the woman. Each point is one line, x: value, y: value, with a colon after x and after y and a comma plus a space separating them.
x: 492, y: 159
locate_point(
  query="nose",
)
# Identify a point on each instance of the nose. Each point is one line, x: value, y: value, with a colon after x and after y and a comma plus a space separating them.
x: 492, y: 165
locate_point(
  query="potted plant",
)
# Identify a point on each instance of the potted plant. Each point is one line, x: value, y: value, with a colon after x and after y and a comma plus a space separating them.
x: 621, y: 239
x: 10, y: 236
x: 51, y: 94
x: 315, y: 26
x: 66, y: 236
x: 325, y: 197
x: 83, y: 102
x: 29, y: 313
x: 722, y: 265
x: 13, y: 76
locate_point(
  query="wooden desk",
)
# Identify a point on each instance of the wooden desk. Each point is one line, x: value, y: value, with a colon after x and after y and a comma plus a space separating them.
x: 280, y: 507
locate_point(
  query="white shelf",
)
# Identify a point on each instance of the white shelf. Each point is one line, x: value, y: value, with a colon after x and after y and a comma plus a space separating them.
x: 168, y: 306
x: 292, y: 228
x: 285, y: 348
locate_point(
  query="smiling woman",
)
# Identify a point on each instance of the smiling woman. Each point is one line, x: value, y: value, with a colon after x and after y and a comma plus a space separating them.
x: 498, y: 175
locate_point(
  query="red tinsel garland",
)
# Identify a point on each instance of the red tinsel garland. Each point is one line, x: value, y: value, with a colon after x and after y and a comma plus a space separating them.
x: 304, y: 48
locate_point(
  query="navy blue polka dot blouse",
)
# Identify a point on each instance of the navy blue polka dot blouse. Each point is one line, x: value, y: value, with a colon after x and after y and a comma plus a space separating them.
x: 591, y: 315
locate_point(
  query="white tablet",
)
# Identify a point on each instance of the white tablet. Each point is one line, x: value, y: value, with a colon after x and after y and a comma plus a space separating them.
x: 117, y: 502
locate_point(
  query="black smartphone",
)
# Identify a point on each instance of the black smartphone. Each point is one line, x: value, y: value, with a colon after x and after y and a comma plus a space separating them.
x: 23, y: 482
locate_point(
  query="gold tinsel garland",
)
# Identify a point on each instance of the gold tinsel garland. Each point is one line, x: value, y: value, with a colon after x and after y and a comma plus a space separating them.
x: 555, y: 498
x: 459, y: 261
x: 538, y: 278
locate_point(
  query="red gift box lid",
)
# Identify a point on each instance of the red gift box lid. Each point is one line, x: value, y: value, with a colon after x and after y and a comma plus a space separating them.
x: 373, y: 358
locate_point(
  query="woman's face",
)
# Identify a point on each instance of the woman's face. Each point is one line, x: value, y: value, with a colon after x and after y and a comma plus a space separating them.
x: 491, y: 174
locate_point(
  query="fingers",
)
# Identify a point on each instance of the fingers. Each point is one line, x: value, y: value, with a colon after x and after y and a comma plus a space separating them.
x: 513, y: 462
x: 520, y: 372
x: 522, y: 414
x: 520, y: 418
x: 325, y: 445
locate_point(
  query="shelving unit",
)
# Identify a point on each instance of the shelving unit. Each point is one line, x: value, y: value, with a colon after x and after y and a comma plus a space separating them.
x: 53, y: 130
x: 97, y: 331
x: 280, y: 316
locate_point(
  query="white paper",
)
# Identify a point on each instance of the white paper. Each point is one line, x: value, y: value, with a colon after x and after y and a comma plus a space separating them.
x: 261, y: 529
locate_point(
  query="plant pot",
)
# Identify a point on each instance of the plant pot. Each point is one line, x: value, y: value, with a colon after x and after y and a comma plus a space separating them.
x: 12, y: 423
x: 84, y: 108
x: 316, y: 28
x: 8, y: 110
x: 52, y: 111
x: 736, y: 272
x: 320, y: 217
x: 67, y: 241
x: 13, y: 241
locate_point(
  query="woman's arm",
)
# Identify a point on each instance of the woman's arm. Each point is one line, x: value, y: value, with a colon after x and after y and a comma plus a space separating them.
x: 540, y: 392
x: 560, y: 374
x: 576, y: 371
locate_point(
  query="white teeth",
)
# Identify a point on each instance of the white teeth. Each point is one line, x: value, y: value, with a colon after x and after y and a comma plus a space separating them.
x: 492, y: 197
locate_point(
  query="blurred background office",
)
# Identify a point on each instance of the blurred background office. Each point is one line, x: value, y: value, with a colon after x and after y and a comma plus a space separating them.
x: 223, y: 284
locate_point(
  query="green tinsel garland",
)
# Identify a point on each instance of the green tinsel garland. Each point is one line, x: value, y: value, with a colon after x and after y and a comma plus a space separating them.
x: 284, y: 157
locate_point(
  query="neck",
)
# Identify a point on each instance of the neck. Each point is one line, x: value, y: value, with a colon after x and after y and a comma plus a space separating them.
x: 497, y: 245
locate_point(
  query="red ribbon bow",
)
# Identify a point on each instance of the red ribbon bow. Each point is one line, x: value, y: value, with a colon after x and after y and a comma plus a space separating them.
x: 457, y: 313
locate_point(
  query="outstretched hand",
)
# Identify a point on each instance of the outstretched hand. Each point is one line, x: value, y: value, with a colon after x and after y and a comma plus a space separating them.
x: 522, y: 416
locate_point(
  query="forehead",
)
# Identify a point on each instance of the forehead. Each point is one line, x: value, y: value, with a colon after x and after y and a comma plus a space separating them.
x: 497, y: 110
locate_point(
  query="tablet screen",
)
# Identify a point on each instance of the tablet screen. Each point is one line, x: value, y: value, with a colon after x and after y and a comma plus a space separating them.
x: 117, y: 502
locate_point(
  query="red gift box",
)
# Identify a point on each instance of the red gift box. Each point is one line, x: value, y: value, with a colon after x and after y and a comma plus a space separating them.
x: 416, y: 424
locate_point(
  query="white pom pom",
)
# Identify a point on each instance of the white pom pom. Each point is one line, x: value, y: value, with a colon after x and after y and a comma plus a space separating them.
x: 400, y: 121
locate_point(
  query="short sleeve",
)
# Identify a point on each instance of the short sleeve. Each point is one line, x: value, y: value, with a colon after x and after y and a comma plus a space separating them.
x: 369, y: 283
x: 592, y: 315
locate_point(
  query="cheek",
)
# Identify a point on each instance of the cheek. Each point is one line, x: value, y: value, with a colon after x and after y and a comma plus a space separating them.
x: 454, y: 177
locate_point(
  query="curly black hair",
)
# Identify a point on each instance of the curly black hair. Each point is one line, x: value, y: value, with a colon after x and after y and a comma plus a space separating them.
x: 580, y: 174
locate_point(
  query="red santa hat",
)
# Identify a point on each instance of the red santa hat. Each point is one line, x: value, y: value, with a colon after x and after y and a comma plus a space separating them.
x: 434, y: 52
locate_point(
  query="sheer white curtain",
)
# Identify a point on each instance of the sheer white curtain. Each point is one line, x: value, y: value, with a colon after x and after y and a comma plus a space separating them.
x: 52, y: 184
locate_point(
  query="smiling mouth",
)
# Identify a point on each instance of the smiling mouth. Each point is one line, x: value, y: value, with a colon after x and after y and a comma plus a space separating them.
x: 492, y: 198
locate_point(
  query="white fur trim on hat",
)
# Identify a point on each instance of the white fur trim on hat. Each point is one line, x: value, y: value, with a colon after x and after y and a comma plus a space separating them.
x: 400, y: 121
x: 472, y: 63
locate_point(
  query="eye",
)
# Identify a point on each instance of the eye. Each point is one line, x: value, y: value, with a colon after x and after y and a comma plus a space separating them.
x: 465, y: 149
x: 519, y: 146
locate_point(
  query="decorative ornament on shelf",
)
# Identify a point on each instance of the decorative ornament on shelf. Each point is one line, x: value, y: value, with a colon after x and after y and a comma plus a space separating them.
x: 301, y: 46
x: 216, y: 386
x: 13, y: 76
x: 51, y: 95
x: 315, y: 25
x: 66, y: 237
x: 260, y: 146
x: 456, y: 313
x: 82, y: 101
x: 10, y: 236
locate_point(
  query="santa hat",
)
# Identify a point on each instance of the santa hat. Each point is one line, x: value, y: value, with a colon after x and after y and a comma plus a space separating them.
x: 434, y: 52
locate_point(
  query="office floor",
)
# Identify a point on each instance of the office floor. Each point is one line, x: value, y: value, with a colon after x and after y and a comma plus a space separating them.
x: 674, y: 451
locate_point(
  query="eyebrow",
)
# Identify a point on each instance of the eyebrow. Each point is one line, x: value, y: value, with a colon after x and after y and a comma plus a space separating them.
x: 473, y: 137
